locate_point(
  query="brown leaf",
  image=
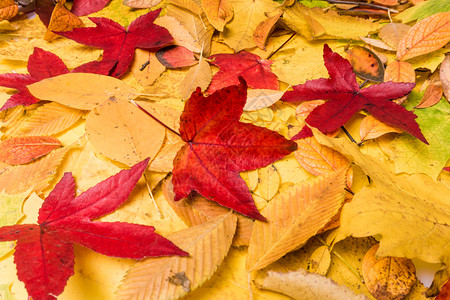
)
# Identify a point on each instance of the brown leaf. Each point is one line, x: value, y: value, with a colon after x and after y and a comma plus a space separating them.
x: 22, y: 150
x: 371, y: 128
x: 426, y: 36
x: 444, y: 74
x: 219, y: 12
x: 392, y: 33
x: 388, y: 278
x: 207, y: 244
x: 8, y: 9
x: 293, y: 217
x: 433, y: 93
x: 61, y: 20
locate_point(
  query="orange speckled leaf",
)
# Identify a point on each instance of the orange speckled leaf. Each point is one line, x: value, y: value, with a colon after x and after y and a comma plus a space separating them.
x: 8, y: 9
x: 371, y: 128
x: 61, y: 20
x: 426, y: 36
x: 318, y: 159
x: 21, y: 150
x: 365, y: 63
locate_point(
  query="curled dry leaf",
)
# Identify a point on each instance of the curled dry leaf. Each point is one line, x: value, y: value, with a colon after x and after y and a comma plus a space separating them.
x: 81, y: 90
x: 8, y: 9
x: 133, y: 134
x: 302, y: 285
x: 22, y: 150
x: 219, y: 12
x: 392, y: 33
x: 61, y: 20
x: 371, y: 128
x: 426, y: 36
x: 207, y: 245
x: 293, y: 217
x: 388, y: 278
x: 444, y: 74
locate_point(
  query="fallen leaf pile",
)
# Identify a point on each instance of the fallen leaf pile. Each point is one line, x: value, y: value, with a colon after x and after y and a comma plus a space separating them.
x: 224, y: 149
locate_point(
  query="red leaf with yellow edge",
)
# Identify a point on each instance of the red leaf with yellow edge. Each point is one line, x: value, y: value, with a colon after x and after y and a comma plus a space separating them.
x: 345, y: 98
x: 21, y: 150
x: 218, y: 147
x: 44, y: 253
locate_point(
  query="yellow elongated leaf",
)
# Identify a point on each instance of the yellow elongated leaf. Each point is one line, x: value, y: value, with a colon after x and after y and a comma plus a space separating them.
x: 302, y: 285
x: 122, y: 132
x: 207, y: 244
x: 426, y: 36
x: 48, y: 119
x: 22, y: 150
x: 320, y: 260
x: 294, y: 217
x: 219, y: 12
x: 371, y: 128
x: 36, y: 175
x: 81, y: 90
x: 197, y: 76
x: 238, y: 34
x: 317, y: 159
x: 392, y: 33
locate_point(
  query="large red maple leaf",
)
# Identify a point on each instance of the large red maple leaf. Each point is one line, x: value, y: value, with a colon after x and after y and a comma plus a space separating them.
x: 218, y: 147
x: 346, y: 98
x: 251, y: 67
x: 119, y: 43
x: 44, y: 252
x: 42, y: 64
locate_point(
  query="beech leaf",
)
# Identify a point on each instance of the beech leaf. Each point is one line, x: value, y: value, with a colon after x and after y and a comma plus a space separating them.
x: 207, y: 244
x: 44, y: 252
x: 346, y: 98
x: 22, y: 150
x: 218, y: 146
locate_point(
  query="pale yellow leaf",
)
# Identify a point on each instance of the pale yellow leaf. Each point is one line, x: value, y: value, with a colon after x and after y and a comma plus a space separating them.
x: 238, y: 34
x: 141, y: 3
x: 377, y: 43
x: 302, y: 285
x: 146, y: 68
x: 5, y: 25
x: 193, y: 6
x: 35, y: 175
x: 180, y: 34
x: 207, y: 244
x: 197, y: 76
x: 219, y: 12
x: 163, y: 161
x: 317, y: 159
x: 268, y: 182
x: 320, y: 260
x: 294, y: 217
x: 81, y: 90
x: 261, y: 98
x: 121, y: 131
x: 426, y: 36
x: 392, y: 33
x: 251, y: 178
x: 371, y: 128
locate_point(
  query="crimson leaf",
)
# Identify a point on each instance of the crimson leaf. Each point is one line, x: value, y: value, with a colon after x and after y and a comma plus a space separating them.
x: 218, y: 147
x: 44, y: 252
x: 346, y: 98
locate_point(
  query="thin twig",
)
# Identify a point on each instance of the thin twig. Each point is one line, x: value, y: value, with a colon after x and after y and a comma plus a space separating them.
x: 151, y: 196
x: 363, y: 4
x: 348, y: 134
x: 144, y: 65
x: 287, y: 41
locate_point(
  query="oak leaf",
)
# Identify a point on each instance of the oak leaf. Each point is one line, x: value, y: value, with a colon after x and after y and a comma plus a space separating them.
x: 44, y: 252
x: 426, y: 36
x: 119, y: 43
x: 22, y: 150
x: 346, y: 98
x: 251, y: 67
x: 207, y: 244
x: 218, y: 146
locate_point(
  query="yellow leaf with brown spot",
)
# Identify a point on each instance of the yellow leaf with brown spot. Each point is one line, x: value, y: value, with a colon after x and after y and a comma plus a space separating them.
x: 207, y: 244
x: 371, y: 128
x: 61, y: 20
x: 146, y: 68
x: 268, y: 182
x: 293, y: 217
x: 8, y: 9
x: 426, y: 36
x: 388, y: 278
x: 219, y: 12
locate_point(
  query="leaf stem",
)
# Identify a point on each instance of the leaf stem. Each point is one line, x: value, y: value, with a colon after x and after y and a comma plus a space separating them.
x: 153, y: 198
x: 282, y: 45
x: 153, y: 117
x: 363, y: 4
x: 348, y: 134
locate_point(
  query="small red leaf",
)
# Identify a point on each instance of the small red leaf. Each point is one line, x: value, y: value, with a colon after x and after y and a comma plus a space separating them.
x: 346, y: 98
x: 87, y: 7
x: 218, y: 147
x: 21, y: 150
x: 251, y: 67
x: 176, y: 57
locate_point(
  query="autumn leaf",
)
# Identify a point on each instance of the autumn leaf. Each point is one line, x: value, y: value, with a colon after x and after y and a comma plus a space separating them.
x: 176, y: 57
x: 346, y: 98
x: 261, y: 98
x: 392, y: 33
x: 371, y: 128
x: 219, y: 12
x: 87, y: 7
x: 251, y: 67
x: 426, y: 36
x: 119, y: 43
x: 141, y: 3
x: 199, y: 75
x: 41, y: 65
x: 8, y: 9
x: 21, y: 150
x: 218, y: 146
x: 365, y: 63
x: 445, y: 291
x: 207, y: 244
x: 44, y: 251
x: 61, y: 20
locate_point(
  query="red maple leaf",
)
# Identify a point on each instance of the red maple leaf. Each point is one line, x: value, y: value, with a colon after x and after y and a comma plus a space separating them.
x: 119, y: 43
x: 346, y: 98
x: 218, y: 147
x: 44, y: 255
x: 42, y: 64
x: 251, y: 67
